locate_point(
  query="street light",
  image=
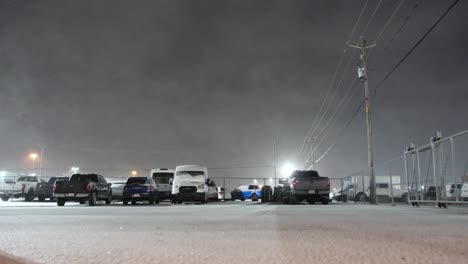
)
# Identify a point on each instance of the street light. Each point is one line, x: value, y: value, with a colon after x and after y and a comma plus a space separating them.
x: 74, y: 169
x: 33, y: 156
x: 134, y: 173
x: 287, y: 169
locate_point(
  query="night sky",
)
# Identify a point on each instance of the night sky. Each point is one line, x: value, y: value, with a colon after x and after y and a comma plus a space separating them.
x: 112, y: 86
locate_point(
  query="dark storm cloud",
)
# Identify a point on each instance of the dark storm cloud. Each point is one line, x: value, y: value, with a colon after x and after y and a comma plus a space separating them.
x: 157, y: 83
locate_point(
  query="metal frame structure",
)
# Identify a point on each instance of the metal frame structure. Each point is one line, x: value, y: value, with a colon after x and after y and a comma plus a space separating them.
x: 414, y: 180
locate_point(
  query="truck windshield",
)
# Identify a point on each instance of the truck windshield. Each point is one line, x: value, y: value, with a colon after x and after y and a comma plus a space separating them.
x: 137, y: 180
x: 190, y: 173
x: 162, y: 177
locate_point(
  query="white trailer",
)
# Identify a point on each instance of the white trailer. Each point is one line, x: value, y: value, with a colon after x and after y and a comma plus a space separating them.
x: 358, y: 187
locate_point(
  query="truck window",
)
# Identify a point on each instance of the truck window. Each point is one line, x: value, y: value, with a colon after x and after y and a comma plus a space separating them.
x: 162, y: 177
x: 253, y: 187
x: 137, y: 180
x: 382, y: 185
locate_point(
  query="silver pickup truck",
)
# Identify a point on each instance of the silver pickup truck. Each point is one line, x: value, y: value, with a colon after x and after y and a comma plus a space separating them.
x: 305, y: 185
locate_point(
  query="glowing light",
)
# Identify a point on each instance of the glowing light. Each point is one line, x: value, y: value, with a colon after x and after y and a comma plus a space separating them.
x: 287, y: 169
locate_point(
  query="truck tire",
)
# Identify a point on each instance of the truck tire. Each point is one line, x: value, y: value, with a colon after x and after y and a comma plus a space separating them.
x: 254, y: 197
x: 82, y: 202
x: 404, y: 198
x: 60, y: 201
x: 151, y: 201
x: 133, y: 202
x: 311, y: 200
x: 324, y: 200
x: 109, y: 199
x: 292, y: 199
x: 92, y: 199
x: 29, y: 196
x: 125, y: 202
x: 5, y: 198
x: 41, y: 198
x: 361, y: 197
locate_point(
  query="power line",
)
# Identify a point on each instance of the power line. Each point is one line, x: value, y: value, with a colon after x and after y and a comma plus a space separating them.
x: 394, y: 68
x: 405, y: 21
x: 371, y: 18
x: 334, y: 77
x: 416, y: 45
x: 344, y: 102
x: 384, y: 28
x: 356, y: 112
x: 389, y: 20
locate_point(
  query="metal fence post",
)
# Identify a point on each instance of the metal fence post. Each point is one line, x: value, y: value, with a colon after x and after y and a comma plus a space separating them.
x: 452, y: 150
x: 342, y: 192
x: 391, y: 186
x: 418, y: 188
x: 224, y: 186
x: 364, y: 189
x: 435, y: 172
x: 407, y: 181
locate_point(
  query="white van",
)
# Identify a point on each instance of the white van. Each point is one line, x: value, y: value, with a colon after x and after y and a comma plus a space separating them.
x: 190, y: 183
x: 163, y: 177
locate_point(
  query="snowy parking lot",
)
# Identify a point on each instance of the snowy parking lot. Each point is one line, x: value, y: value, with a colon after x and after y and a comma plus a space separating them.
x: 217, y: 232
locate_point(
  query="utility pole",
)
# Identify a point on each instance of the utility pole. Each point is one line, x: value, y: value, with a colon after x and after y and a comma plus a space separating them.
x: 274, y: 161
x: 42, y: 159
x: 362, y: 74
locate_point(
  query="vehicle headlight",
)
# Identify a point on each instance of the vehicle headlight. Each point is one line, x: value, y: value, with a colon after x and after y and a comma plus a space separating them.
x: 201, y: 186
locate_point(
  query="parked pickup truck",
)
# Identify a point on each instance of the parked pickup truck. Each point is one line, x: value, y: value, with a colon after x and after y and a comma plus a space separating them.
x: 305, y: 185
x: 8, y: 187
x: 24, y: 186
x: 82, y: 188
x: 45, y: 189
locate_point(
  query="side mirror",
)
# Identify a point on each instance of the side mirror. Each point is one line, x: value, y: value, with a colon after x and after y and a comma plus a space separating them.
x: 282, y: 181
x: 170, y: 181
x: 109, y: 184
x: 208, y: 181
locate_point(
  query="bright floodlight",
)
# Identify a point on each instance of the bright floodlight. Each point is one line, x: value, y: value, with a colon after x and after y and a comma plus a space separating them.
x: 33, y: 156
x: 134, y: 172
x: 2, y: 173
x: 75, y: 169
x: 287, y: 169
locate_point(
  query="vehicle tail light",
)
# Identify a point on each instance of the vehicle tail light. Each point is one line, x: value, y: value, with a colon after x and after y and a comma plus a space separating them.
x: 54, y: 188
x: 23, y: 187
x: 88, y: 187
x: 328, y: 184
x: 293, y: 183
x: 221, y: 193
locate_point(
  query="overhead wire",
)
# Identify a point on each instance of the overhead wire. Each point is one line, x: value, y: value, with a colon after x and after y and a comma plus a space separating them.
x: 334, y: 77
x: 393, y: 69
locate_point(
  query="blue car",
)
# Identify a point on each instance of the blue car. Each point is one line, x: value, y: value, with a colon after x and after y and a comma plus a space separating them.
x: 253, y: 192
x: 140, y: 189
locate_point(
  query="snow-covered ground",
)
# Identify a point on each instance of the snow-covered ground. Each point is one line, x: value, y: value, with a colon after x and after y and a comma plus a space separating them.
x: 234, y: 232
